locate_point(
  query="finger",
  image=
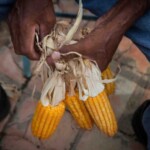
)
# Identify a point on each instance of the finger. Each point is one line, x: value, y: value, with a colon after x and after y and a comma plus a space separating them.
x: 50, y: 62
x: 78, y: 47
x: 45, y: 29
x: 84, y: 46
x: 101, y: 65
x: 27, y: 42
x: 13, y: 26
x: 22, y: 37
x: 53, y: 58
x: 102, y: 61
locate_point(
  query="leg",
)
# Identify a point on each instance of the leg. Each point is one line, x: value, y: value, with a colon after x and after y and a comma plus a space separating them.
x: 4, y: 104
x: 137, y: 123
x: 146, y: 124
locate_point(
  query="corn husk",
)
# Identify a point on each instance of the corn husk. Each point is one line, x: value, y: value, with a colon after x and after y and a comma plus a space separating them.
x: 78, y: 74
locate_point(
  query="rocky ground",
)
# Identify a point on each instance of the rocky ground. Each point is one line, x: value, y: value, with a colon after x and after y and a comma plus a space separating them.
x: 133, y: 88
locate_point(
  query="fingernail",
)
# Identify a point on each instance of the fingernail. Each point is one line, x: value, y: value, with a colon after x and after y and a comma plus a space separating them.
x: 55, y: 56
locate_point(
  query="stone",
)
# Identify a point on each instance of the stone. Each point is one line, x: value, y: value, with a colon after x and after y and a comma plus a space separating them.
x: 9, y: 68
x: 13, y: 96
x: 18, y: 143
x: 64, y: 135
x: 95, y: 140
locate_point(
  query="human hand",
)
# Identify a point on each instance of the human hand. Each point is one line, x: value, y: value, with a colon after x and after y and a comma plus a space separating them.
x: 99, y: 45
x: 27, y: 18
x: 102, y: 42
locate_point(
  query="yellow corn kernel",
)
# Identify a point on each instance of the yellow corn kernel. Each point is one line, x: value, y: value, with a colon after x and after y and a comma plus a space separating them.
x: 46, y: 119
x: 102, y: 113
x: 109, y: 87
x: 79, y: 111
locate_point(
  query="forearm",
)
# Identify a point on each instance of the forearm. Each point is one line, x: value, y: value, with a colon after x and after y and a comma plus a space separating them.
x: 124, y: 14
x: 130, y: 13
x: 118, y: 20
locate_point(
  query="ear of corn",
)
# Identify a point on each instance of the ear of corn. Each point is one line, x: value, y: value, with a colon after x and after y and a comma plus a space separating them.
x: 101, y: 111
x: 88, y: 82
x: 79, y: 111
x: 46, y: 119
x: 109, y: 87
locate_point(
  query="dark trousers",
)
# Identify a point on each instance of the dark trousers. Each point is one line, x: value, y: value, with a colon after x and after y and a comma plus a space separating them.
x: 146, y: 124
x: 4, y: 104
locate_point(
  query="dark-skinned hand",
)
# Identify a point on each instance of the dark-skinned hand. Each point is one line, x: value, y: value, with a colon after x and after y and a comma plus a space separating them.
x: 26, y: 18
x: 101, y: 44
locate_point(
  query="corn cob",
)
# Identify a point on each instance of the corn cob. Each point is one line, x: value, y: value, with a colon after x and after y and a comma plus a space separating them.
x: 109, y: 87
x: 79, y: 111
x: 46, y: 119
x: 101, y: 111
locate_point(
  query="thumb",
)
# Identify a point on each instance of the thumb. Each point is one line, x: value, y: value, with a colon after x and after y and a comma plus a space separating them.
x: 67, y: 51
x: 78, y: 47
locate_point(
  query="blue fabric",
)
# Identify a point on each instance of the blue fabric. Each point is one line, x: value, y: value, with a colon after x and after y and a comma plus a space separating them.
x: 26, y: 67
x: 5, y: 8
x: 139, y: 33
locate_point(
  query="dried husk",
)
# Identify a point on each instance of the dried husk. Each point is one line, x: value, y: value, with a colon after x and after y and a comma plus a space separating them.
x: 79, y: 74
